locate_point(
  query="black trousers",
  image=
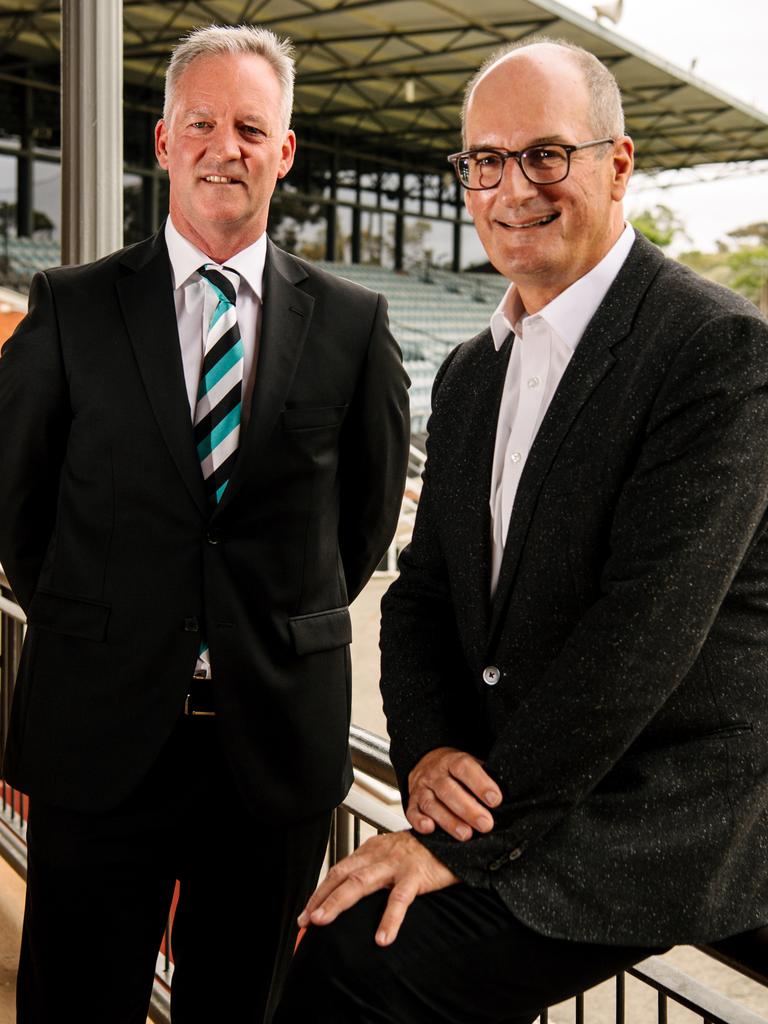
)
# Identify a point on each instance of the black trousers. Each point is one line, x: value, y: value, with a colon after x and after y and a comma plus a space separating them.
x: 460, y: 958
x: 100, y: 886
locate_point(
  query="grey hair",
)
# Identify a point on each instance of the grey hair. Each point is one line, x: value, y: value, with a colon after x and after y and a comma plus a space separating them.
x: 234, y: 39
x: 606, y: 114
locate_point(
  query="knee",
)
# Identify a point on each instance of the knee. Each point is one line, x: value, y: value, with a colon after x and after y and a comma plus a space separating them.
x: 330, y: 975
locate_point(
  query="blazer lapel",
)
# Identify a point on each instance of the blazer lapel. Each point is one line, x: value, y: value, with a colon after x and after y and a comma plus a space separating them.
x: 146, y: 299
x: 287, y: 312
x: 474, y: 522
x: 592, y: 360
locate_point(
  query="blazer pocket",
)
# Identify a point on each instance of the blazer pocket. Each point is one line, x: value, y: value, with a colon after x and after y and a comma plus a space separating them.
x: 321, y: 631
x: 311, y: 417
x: 69, y: 615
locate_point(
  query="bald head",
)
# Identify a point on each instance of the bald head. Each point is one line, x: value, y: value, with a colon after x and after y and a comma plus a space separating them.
x: 555, y: 61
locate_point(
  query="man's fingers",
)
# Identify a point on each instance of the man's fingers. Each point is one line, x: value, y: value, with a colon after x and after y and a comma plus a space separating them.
x: 476, y: 779
x: 343, y: 886
x: 456, y: 798
x: 418, y: 820
x: 452, y: 808
x: 452, y: 789
x: 400, y: 899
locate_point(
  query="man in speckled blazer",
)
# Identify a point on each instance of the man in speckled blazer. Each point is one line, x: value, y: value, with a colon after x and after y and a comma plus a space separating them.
x: 575, y: 655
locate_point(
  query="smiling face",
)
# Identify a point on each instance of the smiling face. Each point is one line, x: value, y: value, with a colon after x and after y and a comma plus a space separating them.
x: 224, y: 148
x: 544, y: 237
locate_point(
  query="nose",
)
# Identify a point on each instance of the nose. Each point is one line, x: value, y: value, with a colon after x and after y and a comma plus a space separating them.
x: 224, y: 144
x: 514, y: 185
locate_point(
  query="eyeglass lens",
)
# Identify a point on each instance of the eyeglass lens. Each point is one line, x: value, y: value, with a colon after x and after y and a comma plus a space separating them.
x: 541, y: 164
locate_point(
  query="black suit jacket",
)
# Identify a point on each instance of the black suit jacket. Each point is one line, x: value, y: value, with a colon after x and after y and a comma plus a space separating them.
x: 120, y: 564
x: 629, y: 728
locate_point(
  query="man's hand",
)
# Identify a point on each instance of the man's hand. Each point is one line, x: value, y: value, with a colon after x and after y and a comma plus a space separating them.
x: 450, y: 788
x: 396, y: 861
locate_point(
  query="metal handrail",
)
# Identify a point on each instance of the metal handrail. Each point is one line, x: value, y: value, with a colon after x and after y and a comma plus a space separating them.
x: 374, y: 799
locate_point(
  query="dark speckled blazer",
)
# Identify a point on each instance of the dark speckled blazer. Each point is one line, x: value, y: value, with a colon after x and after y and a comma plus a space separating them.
x: 629, y: 727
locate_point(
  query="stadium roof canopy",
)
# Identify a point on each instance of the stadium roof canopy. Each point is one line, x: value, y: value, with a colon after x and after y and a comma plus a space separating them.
x: 395, y: 70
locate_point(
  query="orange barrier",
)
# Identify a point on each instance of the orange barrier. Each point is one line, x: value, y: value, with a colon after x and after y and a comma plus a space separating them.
x: 8, y: 321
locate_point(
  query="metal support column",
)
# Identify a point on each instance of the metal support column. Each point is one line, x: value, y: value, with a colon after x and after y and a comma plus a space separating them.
x: 91, y: 129
x: 330, y: 210
x: 25, y: 189
x: 459, y: 207
x: 400, y: 223
x: 357, y: 218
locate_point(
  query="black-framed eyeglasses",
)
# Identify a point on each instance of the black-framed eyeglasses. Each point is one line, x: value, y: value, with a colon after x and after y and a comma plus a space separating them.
x: 545, y: 164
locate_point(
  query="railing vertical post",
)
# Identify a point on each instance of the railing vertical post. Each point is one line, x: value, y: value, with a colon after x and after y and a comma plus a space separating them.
x: 342, y: 834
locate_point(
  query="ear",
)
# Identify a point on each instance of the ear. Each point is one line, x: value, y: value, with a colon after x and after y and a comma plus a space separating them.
x: 161, y: 144
x: 288, y: 154
x: 623, y: 164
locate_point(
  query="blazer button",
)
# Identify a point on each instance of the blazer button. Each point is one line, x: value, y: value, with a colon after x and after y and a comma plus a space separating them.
x: 191, y: 625
x: 213, y: 536
x: 491, y: 675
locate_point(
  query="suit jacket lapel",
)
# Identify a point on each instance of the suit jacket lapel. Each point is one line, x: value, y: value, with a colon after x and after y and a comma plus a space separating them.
x: 287, y: 311
x: 474, y: 521
x: 146, y: 299
x: 592, y: 360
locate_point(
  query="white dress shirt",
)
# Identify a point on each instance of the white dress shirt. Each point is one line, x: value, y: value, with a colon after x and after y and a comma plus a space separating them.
x: 195, y: 302
x: 542, y: 348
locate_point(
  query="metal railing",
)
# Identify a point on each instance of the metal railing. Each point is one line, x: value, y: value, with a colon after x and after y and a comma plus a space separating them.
x: 373, y: 805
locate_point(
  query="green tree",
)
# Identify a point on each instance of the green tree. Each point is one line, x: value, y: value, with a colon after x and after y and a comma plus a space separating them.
x: 741, y: 264
x: 660, y: 225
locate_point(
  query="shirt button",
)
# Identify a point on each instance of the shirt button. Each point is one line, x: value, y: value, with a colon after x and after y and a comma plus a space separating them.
x: 534, y: 382
x: 491, y: 675
x: 515, y: 457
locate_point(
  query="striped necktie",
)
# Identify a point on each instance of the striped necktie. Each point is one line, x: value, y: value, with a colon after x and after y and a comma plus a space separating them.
x: 219, y: 396
x: 219, y: 402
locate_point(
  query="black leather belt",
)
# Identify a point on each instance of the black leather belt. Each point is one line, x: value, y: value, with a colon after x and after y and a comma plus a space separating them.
x: 199, y: 702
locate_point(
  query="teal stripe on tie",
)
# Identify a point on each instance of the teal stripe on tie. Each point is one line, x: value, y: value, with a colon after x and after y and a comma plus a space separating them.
x: 216, y: 372
x: 219, y: 432
x: 221, y: 490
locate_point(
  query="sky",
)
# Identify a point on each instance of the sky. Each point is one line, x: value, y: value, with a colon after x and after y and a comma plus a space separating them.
x: 728, y: 42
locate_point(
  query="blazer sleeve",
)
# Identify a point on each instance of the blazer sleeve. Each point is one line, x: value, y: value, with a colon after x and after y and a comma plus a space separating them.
x: 687, y: 519
x: 374, y: 450
x: 35, y: 416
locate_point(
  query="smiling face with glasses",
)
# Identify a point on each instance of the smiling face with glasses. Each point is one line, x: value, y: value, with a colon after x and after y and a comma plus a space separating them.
x: 544, y: 192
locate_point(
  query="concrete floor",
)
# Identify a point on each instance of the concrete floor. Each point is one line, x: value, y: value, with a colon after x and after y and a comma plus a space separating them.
x: 366, y: 711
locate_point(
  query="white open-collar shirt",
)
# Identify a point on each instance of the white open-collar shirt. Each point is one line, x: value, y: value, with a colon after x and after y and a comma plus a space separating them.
x: 543, y: 345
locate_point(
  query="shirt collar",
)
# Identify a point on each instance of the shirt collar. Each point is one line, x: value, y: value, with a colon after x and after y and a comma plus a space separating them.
x: 569, y: 312
x: 186, y: 259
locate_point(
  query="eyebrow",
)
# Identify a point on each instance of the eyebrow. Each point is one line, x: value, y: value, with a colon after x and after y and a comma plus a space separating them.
x: 544, y: 140
x: 208, y: 112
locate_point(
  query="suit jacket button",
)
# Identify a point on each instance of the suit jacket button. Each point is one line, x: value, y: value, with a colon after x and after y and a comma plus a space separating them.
x: 191, y: 625
x: 213, y: 536
x: 491, y: 675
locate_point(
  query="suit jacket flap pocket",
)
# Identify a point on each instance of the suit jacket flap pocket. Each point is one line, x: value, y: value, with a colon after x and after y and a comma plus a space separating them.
x: 70, y: 615
x: 321, y: 631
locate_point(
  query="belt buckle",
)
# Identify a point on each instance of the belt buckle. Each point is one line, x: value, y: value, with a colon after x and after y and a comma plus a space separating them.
x: 189, y: 709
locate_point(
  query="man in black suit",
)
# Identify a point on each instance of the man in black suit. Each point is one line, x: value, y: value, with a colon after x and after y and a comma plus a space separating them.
x: 182, y: 704
x: 575, y: 655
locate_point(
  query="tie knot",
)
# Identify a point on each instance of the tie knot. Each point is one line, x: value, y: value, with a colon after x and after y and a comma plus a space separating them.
x: 219, y: 281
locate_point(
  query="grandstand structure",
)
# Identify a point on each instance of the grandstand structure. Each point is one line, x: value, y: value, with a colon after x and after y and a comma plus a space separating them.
x: 379, y: 90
